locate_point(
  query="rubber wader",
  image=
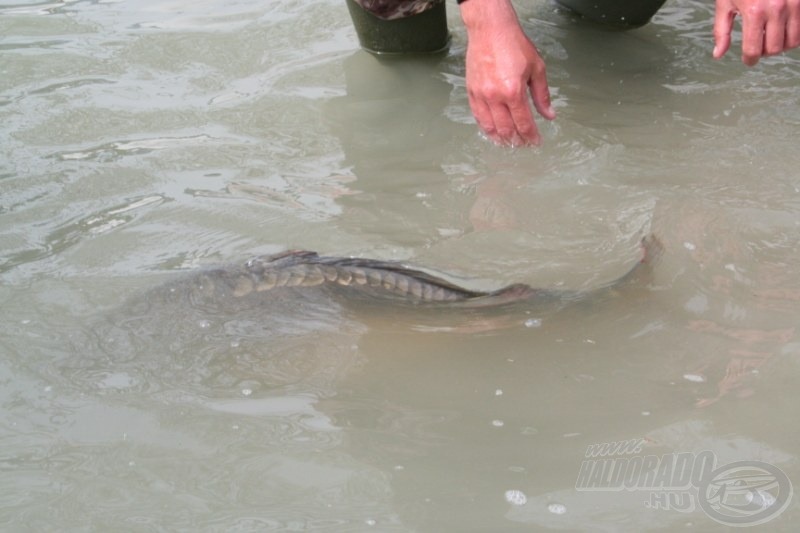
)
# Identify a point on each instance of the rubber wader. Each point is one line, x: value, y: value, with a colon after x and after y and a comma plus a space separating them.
x: 623, y: 14
x: 424, y: 33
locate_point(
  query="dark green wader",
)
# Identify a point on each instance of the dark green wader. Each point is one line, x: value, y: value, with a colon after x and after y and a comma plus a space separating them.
x: 425, y: 33
x: 622, y: 14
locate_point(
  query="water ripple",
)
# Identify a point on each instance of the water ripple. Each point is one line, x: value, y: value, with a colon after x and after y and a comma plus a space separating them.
x: 68, y: 235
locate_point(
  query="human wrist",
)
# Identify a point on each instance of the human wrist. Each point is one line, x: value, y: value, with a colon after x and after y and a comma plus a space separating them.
x: 485, y: 14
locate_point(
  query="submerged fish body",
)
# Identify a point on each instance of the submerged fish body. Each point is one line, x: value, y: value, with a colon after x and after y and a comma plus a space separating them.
x: 369, y: 277
x: 296, y: 271
x: 209, y: 328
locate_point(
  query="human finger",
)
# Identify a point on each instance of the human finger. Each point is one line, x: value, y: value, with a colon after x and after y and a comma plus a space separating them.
x: 520, y: 110
x: 505, y: 129
x: 540, y: 93
x: 775, y: 34
x: 723, y: 26
x: 752, y: 37
x: 483, y: 115
x: 792, y: 38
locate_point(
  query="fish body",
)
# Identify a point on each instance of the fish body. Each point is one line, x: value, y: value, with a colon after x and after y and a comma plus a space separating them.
x: 371, y: 278
x: 197, y: 321
x: 375, y: 278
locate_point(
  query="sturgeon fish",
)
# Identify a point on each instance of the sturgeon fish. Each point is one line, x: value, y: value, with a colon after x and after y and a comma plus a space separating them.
x: 205, y: 327
x: 371, y: 278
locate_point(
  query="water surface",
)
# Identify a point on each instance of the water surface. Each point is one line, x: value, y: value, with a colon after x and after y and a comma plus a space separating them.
x: 143, y: 140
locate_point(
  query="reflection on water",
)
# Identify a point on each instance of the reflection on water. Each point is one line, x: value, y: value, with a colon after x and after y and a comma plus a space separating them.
x: 140, y: 139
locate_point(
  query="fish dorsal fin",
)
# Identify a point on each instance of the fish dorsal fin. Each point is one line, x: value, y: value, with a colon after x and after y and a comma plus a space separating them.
x: 282, y: 259
x: 294, y: 254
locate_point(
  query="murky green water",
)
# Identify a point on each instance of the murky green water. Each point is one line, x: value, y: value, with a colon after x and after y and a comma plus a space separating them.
x: 141, y: 140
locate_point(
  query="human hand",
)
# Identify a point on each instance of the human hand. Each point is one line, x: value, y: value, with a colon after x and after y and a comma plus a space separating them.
x: 504, y: 70
x: 769, y: 27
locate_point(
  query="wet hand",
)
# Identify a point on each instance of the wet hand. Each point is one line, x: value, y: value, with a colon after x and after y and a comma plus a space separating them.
x: 769, y: 27
x: 504, y: 73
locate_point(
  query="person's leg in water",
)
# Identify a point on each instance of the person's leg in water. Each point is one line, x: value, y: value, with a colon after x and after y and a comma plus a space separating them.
x: 392, y: 27
x: 622, y: 14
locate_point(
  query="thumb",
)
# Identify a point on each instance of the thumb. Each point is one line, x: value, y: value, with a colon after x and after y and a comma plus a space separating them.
x: 540, y: 93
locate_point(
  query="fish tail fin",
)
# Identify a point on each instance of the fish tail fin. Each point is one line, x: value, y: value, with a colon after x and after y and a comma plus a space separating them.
x: 652, y: 249
x: 642, y: 272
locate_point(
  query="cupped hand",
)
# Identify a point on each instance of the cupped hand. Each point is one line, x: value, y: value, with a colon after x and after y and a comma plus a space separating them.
x: 769, y: 27
x: 504, y: 73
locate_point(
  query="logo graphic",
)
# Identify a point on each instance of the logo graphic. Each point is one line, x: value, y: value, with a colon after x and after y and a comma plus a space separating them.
x: 743, y: 493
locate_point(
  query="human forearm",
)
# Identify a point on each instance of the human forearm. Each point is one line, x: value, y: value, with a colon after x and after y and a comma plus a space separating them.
x: 487, y: 15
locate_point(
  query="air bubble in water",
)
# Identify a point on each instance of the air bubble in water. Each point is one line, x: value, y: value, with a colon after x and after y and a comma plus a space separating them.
x: 695, y: 378
x: 516, y: 497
